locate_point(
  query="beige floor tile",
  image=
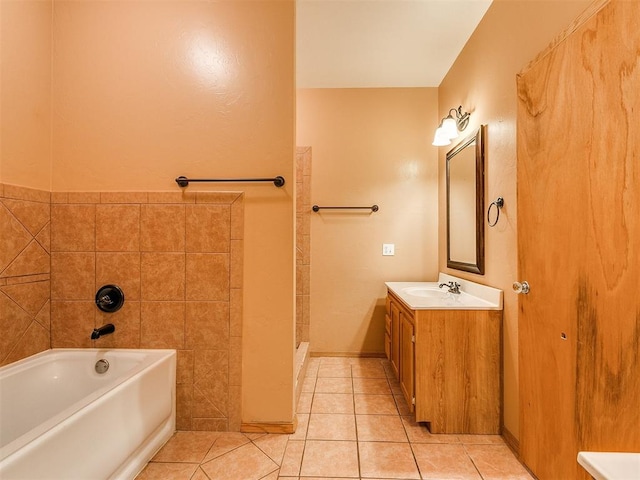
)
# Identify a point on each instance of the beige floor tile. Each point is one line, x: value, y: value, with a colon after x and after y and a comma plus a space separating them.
x: 272, y: 476
x: 308, y: 384
x: 292, y: 460
x: 371, y: 386
x: 304, y: 403
x: 168, y: 471
x: 301, y: 430
x: 334, y: 371
x: 334, y: 385
x: 368, y: 371
x: 496, y: 462
x: 331, y: 426
x: 387, y: 460
x: 200, y: 475
x: 419, y: 433
x: 332, y: 403
x: 440, y: 461
x: 330, y: 459
x: 380, y: 428
x: 335, y: 361
x: 225, y: 443
x: 273, y: 445
x: 245, y: 463
x: 187, y: 447
x: 375, y: 404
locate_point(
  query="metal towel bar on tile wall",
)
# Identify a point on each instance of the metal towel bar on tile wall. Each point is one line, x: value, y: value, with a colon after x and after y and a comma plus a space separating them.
x: 373, y: 208
x: 184, y: 181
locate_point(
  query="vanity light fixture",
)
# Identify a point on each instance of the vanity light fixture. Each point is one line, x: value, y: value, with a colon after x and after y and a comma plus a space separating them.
x: 450, y: 126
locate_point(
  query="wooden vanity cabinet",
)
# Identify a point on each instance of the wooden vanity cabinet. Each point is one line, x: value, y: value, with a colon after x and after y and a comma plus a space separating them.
x: 448, y: 364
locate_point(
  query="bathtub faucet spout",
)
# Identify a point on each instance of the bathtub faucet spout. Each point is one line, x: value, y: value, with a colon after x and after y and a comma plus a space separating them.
x: 103, y: 330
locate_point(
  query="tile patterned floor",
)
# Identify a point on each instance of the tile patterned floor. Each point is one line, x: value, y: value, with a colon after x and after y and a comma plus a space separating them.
x: 353, y: 423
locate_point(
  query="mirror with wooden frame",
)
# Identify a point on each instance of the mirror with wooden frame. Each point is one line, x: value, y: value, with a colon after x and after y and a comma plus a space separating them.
x: 465, y: 203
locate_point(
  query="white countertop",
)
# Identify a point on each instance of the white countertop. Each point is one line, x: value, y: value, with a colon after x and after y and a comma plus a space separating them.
x: 611, y: 465
x: 428, y: 296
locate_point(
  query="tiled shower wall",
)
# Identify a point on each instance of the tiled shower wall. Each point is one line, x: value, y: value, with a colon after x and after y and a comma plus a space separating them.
x: 303, y: 243
x: 178, y: 259
x: 24, y: 272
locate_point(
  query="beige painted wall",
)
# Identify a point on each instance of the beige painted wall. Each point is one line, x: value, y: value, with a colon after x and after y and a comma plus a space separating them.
x: 370, y: 146
x: 483, y: 81
x: 25, y: 93
x: 142, y: 92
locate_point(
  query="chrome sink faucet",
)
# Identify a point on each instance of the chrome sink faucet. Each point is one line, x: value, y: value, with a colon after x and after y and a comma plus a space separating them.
x: 454, y: 287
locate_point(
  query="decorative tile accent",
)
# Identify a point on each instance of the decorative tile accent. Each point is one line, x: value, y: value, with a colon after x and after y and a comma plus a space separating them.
x: 24, y: 272
x: 247, y: 462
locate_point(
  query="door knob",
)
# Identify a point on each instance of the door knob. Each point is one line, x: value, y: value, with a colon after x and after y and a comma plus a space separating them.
x: 521, y: 287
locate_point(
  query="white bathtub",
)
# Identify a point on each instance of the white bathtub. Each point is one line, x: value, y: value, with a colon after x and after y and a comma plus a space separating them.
x: 59, y: 419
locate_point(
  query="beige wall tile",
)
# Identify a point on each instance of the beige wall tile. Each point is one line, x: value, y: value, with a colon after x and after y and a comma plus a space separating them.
x: 184, y: 368
x: 44, y: 316
x: 235, y: 361
x: 207, y: 325
x: 30, y: 296
x: 73, y: 228
x: 14, y: 240
x: 127, y: 323
x: 162, y: 325
x: 184, y: 403
x: 162, y: 276
x: 44, y: 238
x: 237, y: 218
x: 72, y: 323
x: 73, y: 276
x: 117, y: 228
x: 235, y: 309
x: 162, y: 228
x: 210, y: 424
x: 207, y: 276
x: 83, y: 197
x: 124, y: 197
x: 122, y: 269
x: 237, y: 262
x: 13, y: 323
x: 181, y: 196
x: 208, y: 228
x: 235, y: 411
x: 24, y: 193
x: 224, y: 198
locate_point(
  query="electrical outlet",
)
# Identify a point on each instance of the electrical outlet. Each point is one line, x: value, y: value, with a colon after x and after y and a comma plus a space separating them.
x: 388, y: 249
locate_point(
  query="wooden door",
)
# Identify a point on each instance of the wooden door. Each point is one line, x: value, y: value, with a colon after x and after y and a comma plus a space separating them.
x: 579, y: 244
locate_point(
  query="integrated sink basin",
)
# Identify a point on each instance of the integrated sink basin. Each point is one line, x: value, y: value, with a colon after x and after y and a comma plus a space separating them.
x: 428, y: 295
x: 426, y: 291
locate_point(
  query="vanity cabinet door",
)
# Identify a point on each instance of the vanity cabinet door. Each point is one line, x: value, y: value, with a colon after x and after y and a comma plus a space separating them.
x: 407, y: 361
x: 395, y: 339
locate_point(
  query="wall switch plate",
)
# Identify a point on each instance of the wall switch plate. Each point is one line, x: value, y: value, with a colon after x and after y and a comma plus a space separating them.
x: 388, y: 249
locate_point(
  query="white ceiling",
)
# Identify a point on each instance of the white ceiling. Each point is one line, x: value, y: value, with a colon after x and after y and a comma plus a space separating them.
x: 381, y: 43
